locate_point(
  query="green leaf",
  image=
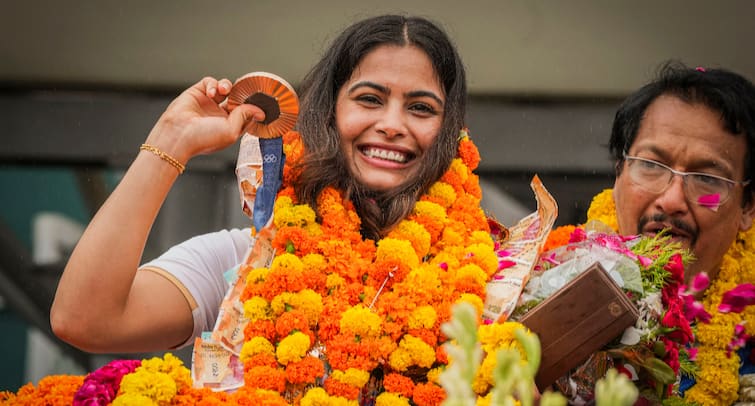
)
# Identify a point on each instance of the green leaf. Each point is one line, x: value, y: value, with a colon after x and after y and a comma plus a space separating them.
x: 660, y: 370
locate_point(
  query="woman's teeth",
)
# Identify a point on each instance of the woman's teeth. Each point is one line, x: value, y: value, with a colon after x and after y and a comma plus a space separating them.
x: 385, y: 154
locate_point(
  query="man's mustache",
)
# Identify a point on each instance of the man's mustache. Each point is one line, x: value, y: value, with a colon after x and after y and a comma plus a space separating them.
x: 675, y: 222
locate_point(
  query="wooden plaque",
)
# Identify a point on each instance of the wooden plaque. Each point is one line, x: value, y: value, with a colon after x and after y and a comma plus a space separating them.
x: 578, y: 320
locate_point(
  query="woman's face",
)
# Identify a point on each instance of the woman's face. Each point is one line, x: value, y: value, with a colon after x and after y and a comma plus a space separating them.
x: 388, y: 114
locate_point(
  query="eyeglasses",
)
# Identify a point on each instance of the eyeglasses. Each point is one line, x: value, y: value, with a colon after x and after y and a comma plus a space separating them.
x: 700, y: 188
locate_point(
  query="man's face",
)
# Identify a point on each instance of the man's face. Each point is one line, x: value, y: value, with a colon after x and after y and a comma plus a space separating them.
x: 690, y: 138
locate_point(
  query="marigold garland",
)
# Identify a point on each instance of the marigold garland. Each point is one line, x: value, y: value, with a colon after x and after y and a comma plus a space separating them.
x: 382, y: 302
x: 718, y: 376
x: 332, y: 307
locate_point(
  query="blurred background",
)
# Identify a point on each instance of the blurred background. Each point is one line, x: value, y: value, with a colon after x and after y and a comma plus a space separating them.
x: 82, y: 83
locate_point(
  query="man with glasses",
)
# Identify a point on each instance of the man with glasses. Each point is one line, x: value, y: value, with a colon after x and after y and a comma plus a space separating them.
x: 683, y: 146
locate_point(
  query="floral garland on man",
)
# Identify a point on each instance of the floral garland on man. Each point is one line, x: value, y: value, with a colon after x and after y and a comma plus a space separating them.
x: 717, y: 380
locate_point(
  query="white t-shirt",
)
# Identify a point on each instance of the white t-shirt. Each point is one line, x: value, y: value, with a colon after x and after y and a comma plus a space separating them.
x: 196, y: 266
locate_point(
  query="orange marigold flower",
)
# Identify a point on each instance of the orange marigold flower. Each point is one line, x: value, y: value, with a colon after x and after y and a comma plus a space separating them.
x: 468, y: 153
x: 201, y: 397
x: 305, y: 371
x: 335, y: 388
x: 247, y: 396
x: 428, y: 394
x: 261, y: 360
x: 558, y: 237
x: 294, y: 240
x: 290, y: 321
x: 415, y: 233
x: 454, y: 179
x: 398, y: 383
x: 263, y: 377
x: 260, y: 328
x: 51, y: 390
x: 472, y: 186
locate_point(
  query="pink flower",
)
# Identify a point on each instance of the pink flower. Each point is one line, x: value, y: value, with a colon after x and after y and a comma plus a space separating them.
x: 700, y: 282
x: 695, y: 310
x: 711, y: 201
x: 644, y: 261
x: 505, y: 264
x: 577, y: 235
x: 692, y: 352
x: 101, y: 386
x: 738, y: 298
x: 551, y: 259
x: 739, y: 340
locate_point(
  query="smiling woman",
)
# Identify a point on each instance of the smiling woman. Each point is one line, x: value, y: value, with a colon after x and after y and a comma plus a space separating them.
x: 388, y: 122
x: 379, y: 166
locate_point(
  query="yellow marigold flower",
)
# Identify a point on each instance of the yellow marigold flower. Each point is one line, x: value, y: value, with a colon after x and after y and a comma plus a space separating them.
x: 483, y: 379
x: 414, y: 233
x: 444, y: 192
x: 433, y: 375
x: 498, y: 335
x: 313, y: 229
x: 457, y: 165
x: 481, y: 237
x: 452, y: 238
x: 474, y: 300
x: 314, y: 262
x: 423, y: 317
x: 484, y: 400
x: 158, y: 386
x: 305, y: 214
x: 133, y: 399
x: 292, y: 348
x: 718, y: 332
x: 290, y: 215
x: 484, y: 256
x: 310, y: 303
x: 257, y: 345
x: 412, y: 351
x: 472, y: 271
x: 391, y: 399
x: 315, y: 397
x: 257, y: 308
x: 257, y: 275
x: 400, y: 359
x: 393, y: 249
x: 288, y: 263
x: 282, y: 302
x: 171, y: 365
x: 352, y: 376
x: 334, y: 281
x: 432, y: 210
x: 426, y: 276
x: 447, y: 258
x: 360, y: 321
x: 281, y: 203
x: 603, y: 209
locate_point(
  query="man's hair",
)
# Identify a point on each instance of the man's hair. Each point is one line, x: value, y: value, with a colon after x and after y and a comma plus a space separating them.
x: 324, y: 164
x: 722, y: 91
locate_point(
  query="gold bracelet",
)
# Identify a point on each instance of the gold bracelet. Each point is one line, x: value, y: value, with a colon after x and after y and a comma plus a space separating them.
x: 165, y: 157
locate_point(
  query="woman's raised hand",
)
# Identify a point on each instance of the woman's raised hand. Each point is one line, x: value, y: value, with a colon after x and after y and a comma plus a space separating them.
x: 199, y: 122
